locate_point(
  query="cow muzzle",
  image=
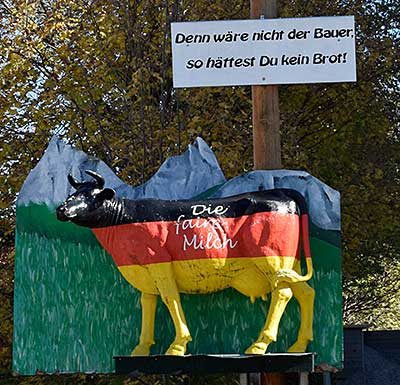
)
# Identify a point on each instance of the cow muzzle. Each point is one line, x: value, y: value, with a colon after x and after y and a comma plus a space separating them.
x: 61, y: 214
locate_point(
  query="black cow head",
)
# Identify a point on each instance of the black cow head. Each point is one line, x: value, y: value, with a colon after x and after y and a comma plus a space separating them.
x: 85, y: 207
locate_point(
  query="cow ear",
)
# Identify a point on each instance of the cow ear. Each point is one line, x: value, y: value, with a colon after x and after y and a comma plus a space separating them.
x: 106, y: 194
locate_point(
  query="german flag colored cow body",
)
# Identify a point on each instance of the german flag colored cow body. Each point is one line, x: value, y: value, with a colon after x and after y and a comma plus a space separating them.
x: 250, y: 242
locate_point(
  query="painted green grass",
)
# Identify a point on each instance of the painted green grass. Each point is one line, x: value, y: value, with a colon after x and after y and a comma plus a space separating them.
x: 74, y: 311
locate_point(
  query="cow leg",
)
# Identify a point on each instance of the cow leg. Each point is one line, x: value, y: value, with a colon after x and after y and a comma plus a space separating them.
x: 164, y: 278
x: 279, y: 299
x: 149, y: 303
x: 305, y: 295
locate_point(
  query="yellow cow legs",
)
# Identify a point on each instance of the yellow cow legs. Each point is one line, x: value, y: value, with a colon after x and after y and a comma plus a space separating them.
x: 164, y: 278
x: 253, y: 282
x: 149, y: 303
x: 305, y: 296
x: 279, y: 299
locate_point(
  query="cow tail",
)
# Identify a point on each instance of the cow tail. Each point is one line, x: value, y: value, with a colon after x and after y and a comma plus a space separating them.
x: 306, y: 246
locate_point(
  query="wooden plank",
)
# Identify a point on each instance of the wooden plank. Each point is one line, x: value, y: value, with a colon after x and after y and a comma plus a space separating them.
x: 385, y: 341
x: 243, y: 379
x: 354, y: 348
x: 273, y: 379
x: 327, y: 380
x: 384, y: 335
x: 303, y: 380
x: 208, y: 364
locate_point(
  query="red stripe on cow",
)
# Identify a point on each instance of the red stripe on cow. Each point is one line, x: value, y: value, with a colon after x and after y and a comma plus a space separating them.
x: 305, y: 235
x: 261, y: 234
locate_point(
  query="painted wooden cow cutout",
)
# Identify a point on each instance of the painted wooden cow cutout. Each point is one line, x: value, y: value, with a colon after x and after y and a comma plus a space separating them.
x: 250, y: 242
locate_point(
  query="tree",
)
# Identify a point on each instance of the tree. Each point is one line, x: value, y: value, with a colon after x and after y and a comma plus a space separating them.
x: 347, y: 135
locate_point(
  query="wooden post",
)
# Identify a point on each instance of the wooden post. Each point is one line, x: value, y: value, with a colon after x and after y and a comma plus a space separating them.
x: 273, y: 379
x: 266, y: 135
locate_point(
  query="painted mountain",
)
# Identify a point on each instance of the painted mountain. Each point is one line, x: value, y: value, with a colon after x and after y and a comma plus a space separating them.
x: 74, y: 311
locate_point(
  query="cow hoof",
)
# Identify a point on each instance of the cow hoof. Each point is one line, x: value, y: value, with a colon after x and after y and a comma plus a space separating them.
x: 176, y: 350
x: 298, y: 347
x: 257, y: 348
x: 141, y: 350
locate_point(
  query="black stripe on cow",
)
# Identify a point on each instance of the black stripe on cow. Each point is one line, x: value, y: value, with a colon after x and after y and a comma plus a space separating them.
x: 155, y: 210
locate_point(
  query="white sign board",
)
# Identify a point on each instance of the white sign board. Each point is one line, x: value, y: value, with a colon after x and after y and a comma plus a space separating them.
x: 263, y: 51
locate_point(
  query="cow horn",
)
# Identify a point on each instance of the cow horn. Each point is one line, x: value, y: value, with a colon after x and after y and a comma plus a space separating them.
x: 73, y: 182
x: 99, y: 179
